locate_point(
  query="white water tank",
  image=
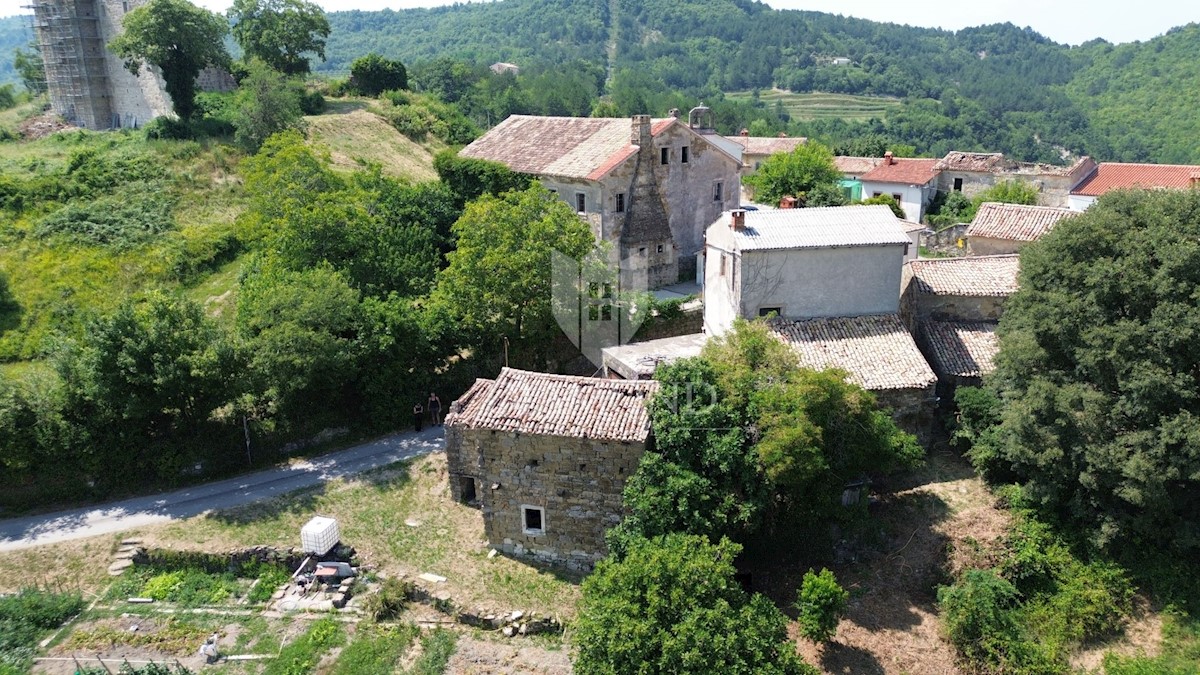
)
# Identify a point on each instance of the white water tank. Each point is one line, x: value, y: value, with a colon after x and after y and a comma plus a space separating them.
x: 319, y: 535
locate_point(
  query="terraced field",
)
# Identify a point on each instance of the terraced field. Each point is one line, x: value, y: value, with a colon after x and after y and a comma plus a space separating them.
x: 817, y: 105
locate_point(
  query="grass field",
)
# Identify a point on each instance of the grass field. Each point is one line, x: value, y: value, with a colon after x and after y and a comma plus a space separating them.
x: 817, y: 105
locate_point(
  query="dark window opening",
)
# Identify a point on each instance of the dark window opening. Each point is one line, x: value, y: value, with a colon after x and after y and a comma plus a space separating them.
x: 768, y: 311
x: 683, y: 158
x: 665, y: 155
x: 620, y: 202
x: 580, y: 202
x: 600, y: 302
x: 533, y: 463
x: 958, y: 185
x: 897, y: 197
x: 467, y: 485
x: 660, y: 248
x: 717, y: 195
x: 533, y: 519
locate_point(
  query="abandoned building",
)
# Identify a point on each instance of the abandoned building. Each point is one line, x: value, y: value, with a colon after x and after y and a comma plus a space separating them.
x: 757, y: 149
x: 802, y: 264
x: 952, y: 306
x: 647, y: 186
x: 546, y: 458
x: 1108, y: 176
x: 998, y: 229
x: 89, y: 85
x: 973, y: 172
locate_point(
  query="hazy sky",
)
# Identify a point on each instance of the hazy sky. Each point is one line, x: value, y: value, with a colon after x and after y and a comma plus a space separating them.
x: 1067, y: 22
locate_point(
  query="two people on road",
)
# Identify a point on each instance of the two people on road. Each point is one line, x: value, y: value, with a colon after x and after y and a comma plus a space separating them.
x: 435, y: 412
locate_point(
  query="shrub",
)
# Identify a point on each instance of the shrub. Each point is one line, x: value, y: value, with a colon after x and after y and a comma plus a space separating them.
x: 389, y: 601
x: 821, y: 603
x: 977, y: 614
x: 132, y: 216
x: 270, y: 577
x: 167, y: 128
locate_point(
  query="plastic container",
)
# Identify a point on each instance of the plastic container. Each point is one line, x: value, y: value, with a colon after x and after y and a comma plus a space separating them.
x: 319, y: 535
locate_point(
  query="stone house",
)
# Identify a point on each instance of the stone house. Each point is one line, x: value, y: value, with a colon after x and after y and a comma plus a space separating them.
x: 647, y: 186
x: 802, y: 264
x: 952, y: 306
x: 1120, y: 176
x: 973, y: 172
x: 911, y: 182
x: 757, y: 149
x: 1004, y: 228
x: 546, y: 458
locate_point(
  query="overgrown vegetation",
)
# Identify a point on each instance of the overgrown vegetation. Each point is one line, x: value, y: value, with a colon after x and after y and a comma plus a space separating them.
x: 375, y: 649
x: 25, y: 618
x: 300, y: 656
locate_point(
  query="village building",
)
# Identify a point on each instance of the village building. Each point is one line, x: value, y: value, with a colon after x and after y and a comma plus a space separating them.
x: 973, y: 172
x: 503, y: 67
x: 1110, y: 176
x: 914, y: 232
x: 647, y: 186
x: 852, y: 170
x: 952, y: 306
x: 639, y: 360
x: 546, y: 458
x: 802, y: 264
x: 1004, y: 228
x: 758, y: 149
x: 911, y: 182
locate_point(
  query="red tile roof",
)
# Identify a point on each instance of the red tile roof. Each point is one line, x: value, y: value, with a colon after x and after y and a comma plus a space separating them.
x: 558, y: 405
x: 1015, y: 222
x: 856, y: 166
x: 569, y: 147
x: 1116, y: 176
x: 972, y: 276
x: 767, y: 145
x: 877, y: 352
x: 961, y: 349
x: 903, y: 170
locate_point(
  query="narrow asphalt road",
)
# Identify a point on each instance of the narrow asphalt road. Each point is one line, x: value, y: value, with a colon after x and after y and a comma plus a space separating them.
x: 90, y: 521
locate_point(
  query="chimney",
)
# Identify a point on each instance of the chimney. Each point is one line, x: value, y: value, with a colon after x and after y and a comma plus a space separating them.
x: 788, y: 202
x: 888, y: 158
x: 783, y: 134
x: 737, y: 219
x: 744, y: 132
x: 674, y: 112
x: 641, y: 131
x: 1195, y: 180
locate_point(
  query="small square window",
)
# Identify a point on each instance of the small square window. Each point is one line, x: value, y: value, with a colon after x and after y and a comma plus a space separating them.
x: 958, y: 185
x: 580, y: 202
x: 660, y: 248
x: 620, y: 208
x: 897, y: 197
x: 768, y: 311
x: 533, y: 520
x: 642, y: 250
x: 683, y: 157
x: 717, y: 192
x: 665, y: 155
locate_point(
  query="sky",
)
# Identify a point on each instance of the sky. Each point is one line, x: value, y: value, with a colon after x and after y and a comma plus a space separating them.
x: 1068, y: 22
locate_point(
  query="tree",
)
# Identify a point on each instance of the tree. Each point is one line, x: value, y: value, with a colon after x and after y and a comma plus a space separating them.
x: 498, y: 282
x: 821, y: 603
x: 371, y: 75
x: 1096, y: 373
x: 888, y: 201
x: 671, y: 605
x: 266, y: 104
x: 469, y: 178
x: 280, y: 32
x: 178, y: 38
x: 793, y: 173
x: 30, y: 68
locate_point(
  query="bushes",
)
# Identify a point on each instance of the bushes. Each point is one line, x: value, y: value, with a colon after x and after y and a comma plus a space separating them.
x: 301, y: 656
x: 191, y: 587
x: 821, y: 602
x: 24, y: 617
x: 389, y: 601
x: 134, y: 215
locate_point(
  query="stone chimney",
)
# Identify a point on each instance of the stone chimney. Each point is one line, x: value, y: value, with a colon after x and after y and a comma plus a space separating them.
x: 674, y: 112
x: 744, y: 132
x: 888, y: 158
x: 788, y: 202
x: 641, y: 135
x: 783, y: 134
x: 737, y: 220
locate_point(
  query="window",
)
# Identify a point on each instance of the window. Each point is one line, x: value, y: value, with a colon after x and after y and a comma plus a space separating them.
x: 722, y: 264
x: 553, y: 191
x: 660, y: 248
x: 876, y: 194
x: 683, y: 158
x: 717, y: 195
x: 897, y: 197
x: 768, y: 311
x: 620, y: 208
x: 958, y: 185
x: 665, y: 155
x: 580, y: 202
x: 641, y: 250
x: 533, y: 520
x: 600, y: 302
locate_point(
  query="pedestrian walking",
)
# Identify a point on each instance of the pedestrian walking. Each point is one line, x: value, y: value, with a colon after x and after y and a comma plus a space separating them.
x: 435, y: 409
x: 418, y: 416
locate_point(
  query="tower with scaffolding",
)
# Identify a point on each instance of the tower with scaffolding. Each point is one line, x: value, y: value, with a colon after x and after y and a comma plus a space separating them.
x: 89, y: 85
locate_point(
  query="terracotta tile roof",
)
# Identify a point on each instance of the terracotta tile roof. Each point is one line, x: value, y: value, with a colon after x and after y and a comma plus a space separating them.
x: 465, y: 407
x: 569, y: 147
x: 561, y: 405
x: 1116, y: 176
x: 903, y: 170
x: 817, y: 227
x: 961, y: 349
x: 767, y: 145
x: 1015, y: 222
x: 877, y: 351
x: 910, y: 227
x: 856, y: 166
x: 980, y: 162
x: 971, y: 276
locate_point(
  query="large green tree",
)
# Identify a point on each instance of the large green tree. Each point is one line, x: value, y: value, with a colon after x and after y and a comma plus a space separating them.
x: 672, y: 605
x: 30, y: 68
x: 178, y: 38
x: 266, y: 104
x: 372, y: 74
x: 280, y: 32
x: 794, y: 173
x: 1097, y: 372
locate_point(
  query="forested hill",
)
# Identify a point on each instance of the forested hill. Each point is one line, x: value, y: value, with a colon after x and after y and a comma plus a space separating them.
x: 995, y: 87
x: 15, y: 31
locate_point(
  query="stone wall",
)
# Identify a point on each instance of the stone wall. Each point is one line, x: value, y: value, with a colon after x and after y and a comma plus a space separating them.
x: 912, y: 409
x: 576, y: 482
x: 990, y: 246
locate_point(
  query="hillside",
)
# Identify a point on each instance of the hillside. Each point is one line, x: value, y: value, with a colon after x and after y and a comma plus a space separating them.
x: 14, y: 32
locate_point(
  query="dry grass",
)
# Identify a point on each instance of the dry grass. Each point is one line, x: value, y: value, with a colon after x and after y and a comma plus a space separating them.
x: 74, y: 565
x: 359, y: 137
x: 372, y: 511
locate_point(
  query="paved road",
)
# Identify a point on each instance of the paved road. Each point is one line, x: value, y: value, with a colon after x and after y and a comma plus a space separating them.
x: 48, y: 528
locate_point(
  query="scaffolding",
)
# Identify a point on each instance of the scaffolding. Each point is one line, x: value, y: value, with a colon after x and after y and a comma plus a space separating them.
x: 72, y: 43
